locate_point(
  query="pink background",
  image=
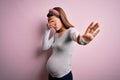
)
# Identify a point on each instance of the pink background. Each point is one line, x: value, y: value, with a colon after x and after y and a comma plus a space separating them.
x: 22, y: 25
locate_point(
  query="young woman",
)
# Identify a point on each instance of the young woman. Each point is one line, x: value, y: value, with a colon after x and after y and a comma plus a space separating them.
x: 59, y: 64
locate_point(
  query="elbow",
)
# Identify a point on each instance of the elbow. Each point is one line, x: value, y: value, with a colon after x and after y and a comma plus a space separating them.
x: 45, y: 47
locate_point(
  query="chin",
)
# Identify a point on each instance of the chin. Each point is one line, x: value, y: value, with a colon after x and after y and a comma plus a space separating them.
x: 57, y: 29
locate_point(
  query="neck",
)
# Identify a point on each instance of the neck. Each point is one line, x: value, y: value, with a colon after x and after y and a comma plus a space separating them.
x: 61, y: 30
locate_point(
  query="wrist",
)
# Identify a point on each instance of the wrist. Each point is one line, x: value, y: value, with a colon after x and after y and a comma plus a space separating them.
x: 48, y: 27
x: 84, y: 41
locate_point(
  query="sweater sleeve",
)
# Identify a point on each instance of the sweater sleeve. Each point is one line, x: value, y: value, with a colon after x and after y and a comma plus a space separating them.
x: 75, y: 35
x: 47, y: 43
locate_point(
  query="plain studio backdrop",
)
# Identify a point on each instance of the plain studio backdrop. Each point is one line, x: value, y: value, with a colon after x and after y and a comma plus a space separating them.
x: 22, y: 24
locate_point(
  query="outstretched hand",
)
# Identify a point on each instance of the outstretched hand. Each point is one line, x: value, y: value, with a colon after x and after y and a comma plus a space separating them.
x: 91, y: 32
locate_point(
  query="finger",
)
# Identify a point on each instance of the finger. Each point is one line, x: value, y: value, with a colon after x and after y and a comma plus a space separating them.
x: 91, y: 24
x: 50, y: 21
x: 89, y: 28
x: 92, y: 30
x: 95, y: 26
x: 94, y: 34
x: 50, y: 25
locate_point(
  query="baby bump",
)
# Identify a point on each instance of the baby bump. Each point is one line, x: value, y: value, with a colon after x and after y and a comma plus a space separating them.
x: 57, y: 66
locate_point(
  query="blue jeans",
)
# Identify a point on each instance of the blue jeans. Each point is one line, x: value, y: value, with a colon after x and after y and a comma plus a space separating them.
x: 66, y: 77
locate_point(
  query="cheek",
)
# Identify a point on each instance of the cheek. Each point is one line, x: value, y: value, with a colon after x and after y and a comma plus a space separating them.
x: 58, y: 24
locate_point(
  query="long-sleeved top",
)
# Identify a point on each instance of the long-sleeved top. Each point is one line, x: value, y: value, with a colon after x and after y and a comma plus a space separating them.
x: 59, y: 63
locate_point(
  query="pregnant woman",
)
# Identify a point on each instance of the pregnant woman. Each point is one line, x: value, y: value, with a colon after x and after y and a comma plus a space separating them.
x: 59, y: 63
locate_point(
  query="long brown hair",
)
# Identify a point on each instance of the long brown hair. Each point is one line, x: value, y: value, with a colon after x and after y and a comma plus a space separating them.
x: 63, y: 17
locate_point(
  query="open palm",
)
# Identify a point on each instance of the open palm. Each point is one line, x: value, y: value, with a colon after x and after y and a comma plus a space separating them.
x: 91, y: 32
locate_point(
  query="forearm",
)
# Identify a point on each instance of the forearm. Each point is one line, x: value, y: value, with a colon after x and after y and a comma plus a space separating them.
x: 46, y: 41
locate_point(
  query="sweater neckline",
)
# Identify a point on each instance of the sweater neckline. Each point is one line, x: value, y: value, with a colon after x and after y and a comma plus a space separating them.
x: 62, y: 34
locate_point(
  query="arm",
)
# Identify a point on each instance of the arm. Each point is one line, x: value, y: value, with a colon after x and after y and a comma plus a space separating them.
x: 75, y: 36
x: 47, y: 43
x: 90, y: 33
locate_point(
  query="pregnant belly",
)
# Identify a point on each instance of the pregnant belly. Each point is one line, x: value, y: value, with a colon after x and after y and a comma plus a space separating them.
x: 57, y: 66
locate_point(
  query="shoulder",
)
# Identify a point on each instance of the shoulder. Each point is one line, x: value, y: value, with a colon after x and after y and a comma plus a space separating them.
x: 72, y: 29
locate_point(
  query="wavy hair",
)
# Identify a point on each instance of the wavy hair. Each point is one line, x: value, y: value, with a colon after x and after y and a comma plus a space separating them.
x: 62, y: 17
